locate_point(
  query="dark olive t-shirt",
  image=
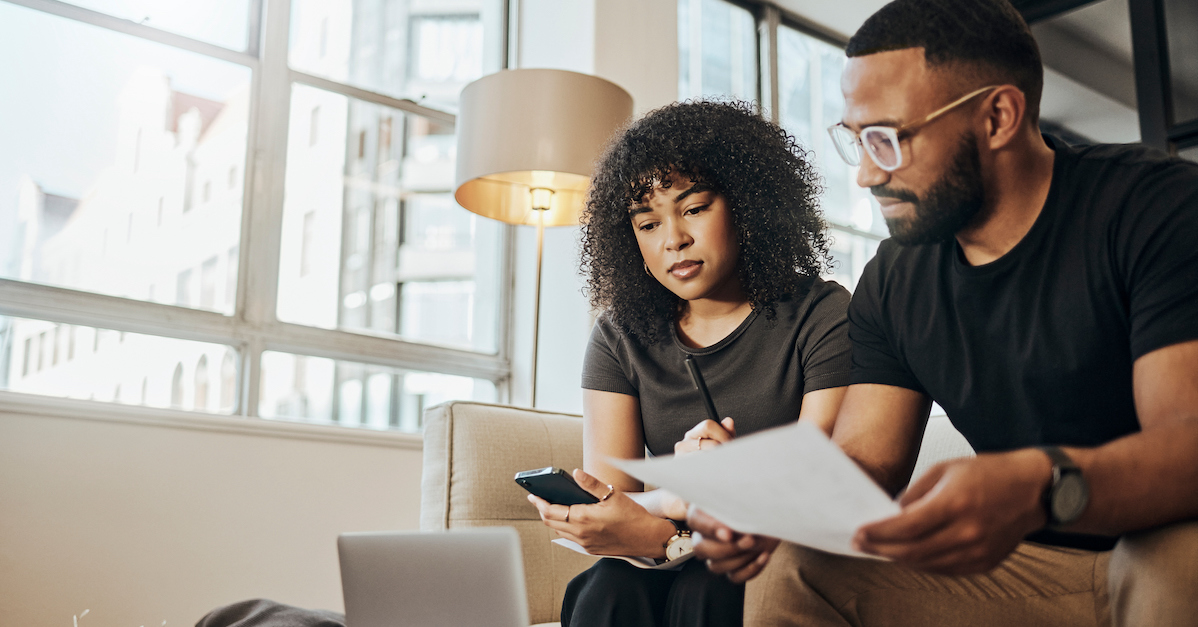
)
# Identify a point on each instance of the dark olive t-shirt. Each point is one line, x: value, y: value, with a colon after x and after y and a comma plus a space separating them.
x: 757, y: 375
x: 1037, y: 346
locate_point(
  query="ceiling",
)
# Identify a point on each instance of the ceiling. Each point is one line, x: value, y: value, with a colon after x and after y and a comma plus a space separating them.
x: 1089, y: 78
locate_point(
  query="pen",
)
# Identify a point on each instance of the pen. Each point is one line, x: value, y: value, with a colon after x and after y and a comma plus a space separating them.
x: 697, y: 377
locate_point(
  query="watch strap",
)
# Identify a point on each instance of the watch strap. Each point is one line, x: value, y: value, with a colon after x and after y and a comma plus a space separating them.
x: 1060, y: 460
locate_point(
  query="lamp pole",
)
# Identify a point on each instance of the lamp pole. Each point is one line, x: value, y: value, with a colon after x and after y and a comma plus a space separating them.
x: 541, y: 200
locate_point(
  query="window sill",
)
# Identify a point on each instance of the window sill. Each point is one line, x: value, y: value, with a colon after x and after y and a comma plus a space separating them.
x: 71, y: 409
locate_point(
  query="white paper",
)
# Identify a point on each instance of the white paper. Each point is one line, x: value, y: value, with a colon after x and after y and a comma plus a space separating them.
x: 639, y: 562
x: 789, y: 482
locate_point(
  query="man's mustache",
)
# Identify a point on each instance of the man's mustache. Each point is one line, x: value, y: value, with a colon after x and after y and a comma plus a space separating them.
x: 901, y: 195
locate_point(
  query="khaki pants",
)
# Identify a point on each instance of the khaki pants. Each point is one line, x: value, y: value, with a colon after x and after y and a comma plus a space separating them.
x: 1150, y: 579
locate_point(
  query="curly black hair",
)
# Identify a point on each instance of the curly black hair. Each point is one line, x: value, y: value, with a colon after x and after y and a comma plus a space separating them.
x: 763, y: 173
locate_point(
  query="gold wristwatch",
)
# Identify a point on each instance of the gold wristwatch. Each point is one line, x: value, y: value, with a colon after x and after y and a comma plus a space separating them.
x: 680, y: 543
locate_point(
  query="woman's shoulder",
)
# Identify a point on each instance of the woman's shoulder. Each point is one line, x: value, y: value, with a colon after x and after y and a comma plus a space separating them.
x: 816, y: 296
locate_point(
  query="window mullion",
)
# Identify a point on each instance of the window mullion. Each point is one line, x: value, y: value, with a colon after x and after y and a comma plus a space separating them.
x: 262, y: 220
x: 381, y: 351
x: 19, y: 299
x: 767, y: 29
x: 358, y: 93
x: 120, y: 25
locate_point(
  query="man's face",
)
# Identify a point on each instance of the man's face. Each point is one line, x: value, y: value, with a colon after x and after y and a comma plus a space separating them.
x: 939, y: 189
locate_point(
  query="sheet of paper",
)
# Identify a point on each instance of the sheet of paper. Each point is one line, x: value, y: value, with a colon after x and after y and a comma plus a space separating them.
x: 639, y: 562
x: 789, y: 482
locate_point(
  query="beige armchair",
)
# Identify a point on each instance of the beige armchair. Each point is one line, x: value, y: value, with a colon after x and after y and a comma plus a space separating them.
x: 472, y: 451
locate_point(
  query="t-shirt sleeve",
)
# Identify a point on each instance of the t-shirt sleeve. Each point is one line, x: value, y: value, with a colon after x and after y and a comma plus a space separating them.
x: 1160, y: 258
x: 601, y: 367
x: 875, y: 358
x: 825, y: 350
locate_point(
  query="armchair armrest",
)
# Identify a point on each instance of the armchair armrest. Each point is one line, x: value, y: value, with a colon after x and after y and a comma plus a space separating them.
x: 472, y: 451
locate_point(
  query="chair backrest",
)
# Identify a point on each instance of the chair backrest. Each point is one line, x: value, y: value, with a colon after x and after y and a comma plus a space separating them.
x: 472, y: 451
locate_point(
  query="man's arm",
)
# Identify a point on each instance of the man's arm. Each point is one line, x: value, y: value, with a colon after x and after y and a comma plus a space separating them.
x: 1148, y: 479
x: 966, y: 516
x: 881, y: 428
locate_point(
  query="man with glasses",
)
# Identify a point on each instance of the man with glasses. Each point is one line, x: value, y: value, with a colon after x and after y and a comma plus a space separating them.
x: 1046, y: 297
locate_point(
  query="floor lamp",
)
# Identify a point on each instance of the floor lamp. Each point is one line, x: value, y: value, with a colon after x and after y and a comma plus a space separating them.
x: 526, y: 142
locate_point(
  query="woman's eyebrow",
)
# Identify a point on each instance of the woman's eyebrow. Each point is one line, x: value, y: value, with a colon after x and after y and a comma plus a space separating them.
x: 696, y: 188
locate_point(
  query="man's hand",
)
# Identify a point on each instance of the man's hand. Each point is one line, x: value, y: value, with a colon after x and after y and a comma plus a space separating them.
x: 705, y: 435
x: 615, y: 526
x: 740, y: 556
x: 964, y: 516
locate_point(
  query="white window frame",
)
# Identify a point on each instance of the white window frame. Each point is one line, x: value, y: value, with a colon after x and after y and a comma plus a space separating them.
x: 254, y: 328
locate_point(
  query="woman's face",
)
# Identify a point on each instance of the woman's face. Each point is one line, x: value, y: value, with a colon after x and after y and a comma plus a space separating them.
x: 687, y: 237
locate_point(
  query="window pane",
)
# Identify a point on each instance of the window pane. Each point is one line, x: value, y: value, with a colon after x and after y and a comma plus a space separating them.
x: 372, y: 238
x: 1181, y: 24
x: 717, y: 50
x: 850, y: 253
x: 422, y: 50
x: 69, y: 361
x: 221, y: 22
x: 115, y: 151
x: 314, y: 389
x: 809, y: 102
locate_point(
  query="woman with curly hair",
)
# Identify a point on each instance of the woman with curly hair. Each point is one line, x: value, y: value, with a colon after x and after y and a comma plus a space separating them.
x: 701, y: 238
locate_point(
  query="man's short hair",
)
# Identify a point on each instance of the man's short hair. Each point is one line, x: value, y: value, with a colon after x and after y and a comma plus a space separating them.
x: 987, y: 36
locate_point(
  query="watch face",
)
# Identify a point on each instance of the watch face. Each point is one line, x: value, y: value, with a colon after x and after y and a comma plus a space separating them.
x: 1069, y: 498
x: 678, y: 547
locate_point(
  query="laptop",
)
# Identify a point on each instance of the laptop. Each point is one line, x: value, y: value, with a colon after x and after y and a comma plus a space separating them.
x: 433, y: 579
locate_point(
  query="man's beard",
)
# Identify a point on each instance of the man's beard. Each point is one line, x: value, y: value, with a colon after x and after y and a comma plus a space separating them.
x: 947, y: 207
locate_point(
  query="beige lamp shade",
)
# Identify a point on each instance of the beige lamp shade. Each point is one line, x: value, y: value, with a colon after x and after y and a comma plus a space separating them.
x: 520, y: 130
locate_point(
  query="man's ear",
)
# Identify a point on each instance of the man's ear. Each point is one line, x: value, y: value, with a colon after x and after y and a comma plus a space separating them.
x: 1005, y: 112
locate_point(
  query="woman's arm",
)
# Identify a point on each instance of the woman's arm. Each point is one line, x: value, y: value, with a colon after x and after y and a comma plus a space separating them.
x: 617, y: 526
x: 611, y: 428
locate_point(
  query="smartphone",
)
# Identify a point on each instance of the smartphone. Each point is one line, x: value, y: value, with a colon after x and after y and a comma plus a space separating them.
x: 555, y: 485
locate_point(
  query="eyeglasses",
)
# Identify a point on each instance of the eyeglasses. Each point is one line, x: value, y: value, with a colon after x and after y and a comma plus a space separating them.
x: 881, y: 143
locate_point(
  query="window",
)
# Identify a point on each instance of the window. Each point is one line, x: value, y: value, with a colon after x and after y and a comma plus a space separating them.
x: 717, y: 50
x: 178, y: 140
x: 718, y: 56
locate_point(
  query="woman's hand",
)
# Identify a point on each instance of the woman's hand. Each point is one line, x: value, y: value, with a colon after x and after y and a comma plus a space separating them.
x: 617, y: 525
x: 705, y: 435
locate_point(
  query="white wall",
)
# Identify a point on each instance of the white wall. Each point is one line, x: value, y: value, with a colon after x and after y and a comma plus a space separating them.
x: 146, y: 516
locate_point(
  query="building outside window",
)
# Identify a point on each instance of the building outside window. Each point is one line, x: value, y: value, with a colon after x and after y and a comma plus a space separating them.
x: 368, y: 293
x: 720, y: 45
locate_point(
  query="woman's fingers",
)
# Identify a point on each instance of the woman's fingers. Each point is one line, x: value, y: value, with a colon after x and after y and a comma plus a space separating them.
x: 597, y: 488
x: 705, y: 435
x: 710, y: 430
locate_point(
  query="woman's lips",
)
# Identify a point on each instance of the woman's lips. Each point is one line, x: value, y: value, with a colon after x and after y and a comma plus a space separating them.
x: 685, y: 269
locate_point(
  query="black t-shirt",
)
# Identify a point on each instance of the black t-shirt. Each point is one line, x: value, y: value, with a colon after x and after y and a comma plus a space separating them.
x: 1037, y: 346
x: 757, y: 375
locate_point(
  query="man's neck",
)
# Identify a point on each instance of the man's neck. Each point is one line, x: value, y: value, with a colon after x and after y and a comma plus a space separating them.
x: 1017, y: 183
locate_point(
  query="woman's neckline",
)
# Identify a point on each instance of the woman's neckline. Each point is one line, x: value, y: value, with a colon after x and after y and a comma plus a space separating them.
x: 705, y: 350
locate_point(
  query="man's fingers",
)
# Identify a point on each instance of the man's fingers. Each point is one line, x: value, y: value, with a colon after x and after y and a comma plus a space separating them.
x: 750, y: 570
x: 923, y: 485
x: 727, y: 565
x: 949, y: 540
x: 917, y: 520
x: 703, y: 523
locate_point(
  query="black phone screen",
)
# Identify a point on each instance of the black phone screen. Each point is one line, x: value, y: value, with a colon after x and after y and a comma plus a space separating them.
x: 554, y: 485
